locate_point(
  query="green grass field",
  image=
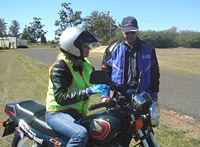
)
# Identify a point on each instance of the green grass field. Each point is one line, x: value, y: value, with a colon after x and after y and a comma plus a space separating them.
x: 179, y: 59
x: 24, y: 78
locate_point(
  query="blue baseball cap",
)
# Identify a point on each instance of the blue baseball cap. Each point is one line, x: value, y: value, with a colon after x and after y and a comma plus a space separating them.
x: 129, y: 24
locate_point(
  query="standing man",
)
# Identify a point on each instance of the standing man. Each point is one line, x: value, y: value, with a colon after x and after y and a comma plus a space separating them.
x: 125, y: 59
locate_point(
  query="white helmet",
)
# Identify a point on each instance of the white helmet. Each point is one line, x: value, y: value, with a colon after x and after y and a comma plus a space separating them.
x: 72, y: 39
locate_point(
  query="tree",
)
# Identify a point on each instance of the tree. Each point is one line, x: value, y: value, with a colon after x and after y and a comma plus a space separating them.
x: 14, y: 29
x: 101, y: 24
x: 68, y: 18
x: 189, y: 39
x: 172, y: 35
x: 35, y: 31
x: 25, y: 34
x: 147, y: 36
x: 116, y: 36
x: 43, y: 39
x: 3, y: 26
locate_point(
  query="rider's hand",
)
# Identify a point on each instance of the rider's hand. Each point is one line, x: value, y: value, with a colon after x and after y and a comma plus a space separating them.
x: 105, y: 99
x: 99, y: 88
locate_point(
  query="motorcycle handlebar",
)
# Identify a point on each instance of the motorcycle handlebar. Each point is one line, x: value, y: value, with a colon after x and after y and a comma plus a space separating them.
x: 107, y: 104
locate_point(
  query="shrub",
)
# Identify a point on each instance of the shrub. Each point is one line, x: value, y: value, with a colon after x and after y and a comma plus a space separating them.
x: 22, y: 46
x: 4, y: 47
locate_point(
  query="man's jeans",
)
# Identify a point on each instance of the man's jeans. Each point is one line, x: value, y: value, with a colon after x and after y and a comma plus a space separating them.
x: 63, y: 123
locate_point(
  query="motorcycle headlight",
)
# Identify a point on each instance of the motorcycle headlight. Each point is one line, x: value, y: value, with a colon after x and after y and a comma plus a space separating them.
x: 154, y: 113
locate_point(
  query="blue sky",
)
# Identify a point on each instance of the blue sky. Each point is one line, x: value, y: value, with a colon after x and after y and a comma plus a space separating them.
x: 151, y: 14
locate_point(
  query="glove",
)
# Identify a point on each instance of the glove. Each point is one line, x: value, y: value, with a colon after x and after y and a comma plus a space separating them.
x: 119, y: 88
x: 131, y: 91
x: 99, y: 88
x: 105, y: 95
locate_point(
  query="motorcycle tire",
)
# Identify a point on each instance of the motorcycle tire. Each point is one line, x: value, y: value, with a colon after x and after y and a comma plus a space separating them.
x: 23, y: 142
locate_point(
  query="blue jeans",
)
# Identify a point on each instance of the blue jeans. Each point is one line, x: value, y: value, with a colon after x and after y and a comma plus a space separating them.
x: 66, y: 123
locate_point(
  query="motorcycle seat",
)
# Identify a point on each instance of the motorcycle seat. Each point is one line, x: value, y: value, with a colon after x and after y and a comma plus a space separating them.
x: 29, y: 110
x: 40, y: 124
x: 34, y: 114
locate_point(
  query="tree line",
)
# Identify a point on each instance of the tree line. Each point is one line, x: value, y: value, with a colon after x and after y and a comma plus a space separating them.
x: 172, y: 38
x: 103, y: 26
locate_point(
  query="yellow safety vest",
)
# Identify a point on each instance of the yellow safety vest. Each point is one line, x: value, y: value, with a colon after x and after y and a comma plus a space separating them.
x: 79, y: 82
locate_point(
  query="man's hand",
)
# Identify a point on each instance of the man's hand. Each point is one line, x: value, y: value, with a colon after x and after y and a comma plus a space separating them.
x: 155, y: 99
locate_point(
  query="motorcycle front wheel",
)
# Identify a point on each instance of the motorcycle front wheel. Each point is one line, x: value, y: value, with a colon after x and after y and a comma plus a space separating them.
x: 23, y: 142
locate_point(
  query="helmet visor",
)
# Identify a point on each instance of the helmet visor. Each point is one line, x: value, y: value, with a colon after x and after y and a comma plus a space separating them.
x: 85, y: 37
x: 91, y: 45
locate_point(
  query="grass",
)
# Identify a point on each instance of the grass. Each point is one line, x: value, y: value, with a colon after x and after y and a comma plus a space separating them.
x: 179, y: 59
x: 24, y: 78
x: 167, y: 137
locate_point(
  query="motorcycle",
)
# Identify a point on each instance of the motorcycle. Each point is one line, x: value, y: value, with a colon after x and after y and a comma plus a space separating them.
x: 125, y: 117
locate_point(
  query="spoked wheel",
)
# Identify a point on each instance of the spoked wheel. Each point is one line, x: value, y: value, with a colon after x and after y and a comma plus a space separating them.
x: 23, y: 142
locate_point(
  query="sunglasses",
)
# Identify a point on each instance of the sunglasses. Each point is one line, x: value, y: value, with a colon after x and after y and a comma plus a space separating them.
x: 130, y: 32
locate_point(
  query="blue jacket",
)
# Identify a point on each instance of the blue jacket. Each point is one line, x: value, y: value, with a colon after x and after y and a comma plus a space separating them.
x: 145, y: 64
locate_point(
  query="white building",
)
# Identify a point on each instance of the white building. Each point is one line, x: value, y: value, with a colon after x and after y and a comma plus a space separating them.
x: 12, y: 42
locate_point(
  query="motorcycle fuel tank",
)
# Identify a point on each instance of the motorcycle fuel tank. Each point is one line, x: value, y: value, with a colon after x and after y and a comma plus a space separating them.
x: 103, y: 126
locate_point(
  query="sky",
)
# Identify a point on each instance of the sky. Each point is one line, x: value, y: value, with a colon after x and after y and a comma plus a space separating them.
x: 155, y: 15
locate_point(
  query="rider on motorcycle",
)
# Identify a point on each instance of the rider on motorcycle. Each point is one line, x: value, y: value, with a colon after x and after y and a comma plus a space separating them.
x: 69, y: 87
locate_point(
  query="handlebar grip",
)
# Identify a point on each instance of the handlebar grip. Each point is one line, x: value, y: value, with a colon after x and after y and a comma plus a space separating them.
x: 96, y: 106
x: 109, y: 103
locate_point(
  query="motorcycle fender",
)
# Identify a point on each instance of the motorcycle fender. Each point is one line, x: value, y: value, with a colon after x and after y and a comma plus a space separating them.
x: 9, y: 127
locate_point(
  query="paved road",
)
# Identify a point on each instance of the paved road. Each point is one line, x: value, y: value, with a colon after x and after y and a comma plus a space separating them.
x: 178, y: 91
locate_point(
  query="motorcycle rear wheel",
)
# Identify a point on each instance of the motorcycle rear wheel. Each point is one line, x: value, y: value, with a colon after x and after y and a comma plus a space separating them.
x: 23, y: 142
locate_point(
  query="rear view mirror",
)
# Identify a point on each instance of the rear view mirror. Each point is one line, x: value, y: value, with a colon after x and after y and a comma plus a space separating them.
x: 99, y: 77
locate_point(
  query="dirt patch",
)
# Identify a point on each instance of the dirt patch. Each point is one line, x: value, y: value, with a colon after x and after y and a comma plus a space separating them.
x: 100, y: 49
x: 176, y: 121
